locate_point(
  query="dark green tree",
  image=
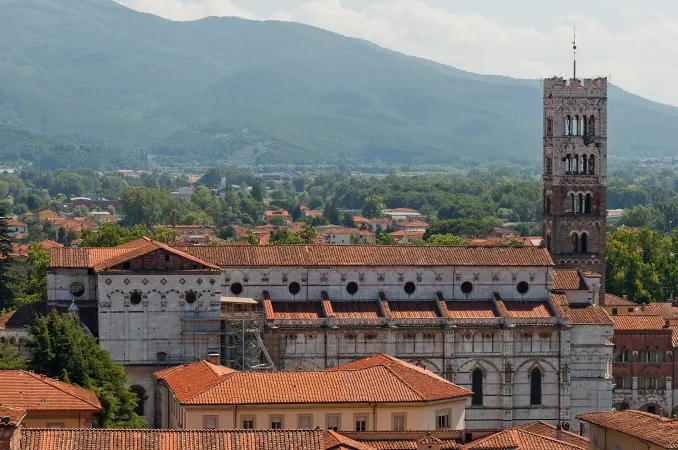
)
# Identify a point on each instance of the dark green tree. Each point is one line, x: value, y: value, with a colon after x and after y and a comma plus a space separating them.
x: 373, y: 206
x: 7, y: 277
x: 259, y: 190
x: 61, y: 348
x: 9, y: 358
x: 331, y: 213
x: 211, y: 178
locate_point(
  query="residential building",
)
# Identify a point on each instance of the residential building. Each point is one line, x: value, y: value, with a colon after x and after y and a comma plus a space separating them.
x: 277, y: 214
x: 20, y: 254
x: 374, y: 223
x: 574, y: 173
x: 99, y: 202
x: 405, y: 237
x: 644, y: 365
x: 48, y: 403
x: 412, y: 225
x: 194, y: 234
x: 402, y: 214
x: 614, y: 215
x: 506, y: 233
x: 637, y: 430
x: 341, y: 235
x: 499, y: 321
x: 617, y: 305
x: 380, y: 393
x: 16, y: 228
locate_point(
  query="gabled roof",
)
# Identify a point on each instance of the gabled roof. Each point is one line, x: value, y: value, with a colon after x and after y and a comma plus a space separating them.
x: 588, y: 315
x: 613, y: 300
x: 336, y: 441
x: 568, y: 279
x: 649, y: 427
x: 369, y: 256
x: 521, y: 439
x: 377, y: 379
x: 13, y: 416
x: 625, y: 322
x: 22, y: 389
x: 106, y: 258
x: 665, y: 309
x: 547, y: 430
x: 147, y: 439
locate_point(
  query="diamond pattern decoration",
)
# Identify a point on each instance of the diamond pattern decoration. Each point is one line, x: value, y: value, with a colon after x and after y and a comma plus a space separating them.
x: 182, y: 281
x: 199, y: 281
x: 108, y: 281
x: 212, y: 281
x: 163, y: 281
x: 127, y: 281
x: 145, y: 281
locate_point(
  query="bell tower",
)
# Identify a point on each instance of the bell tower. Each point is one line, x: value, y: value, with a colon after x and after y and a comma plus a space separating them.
x: 574, y: 173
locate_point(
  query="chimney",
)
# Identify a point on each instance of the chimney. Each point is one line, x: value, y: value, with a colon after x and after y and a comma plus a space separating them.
x: 214, y: 358
x: 566, y: 426
x: 559, y: 432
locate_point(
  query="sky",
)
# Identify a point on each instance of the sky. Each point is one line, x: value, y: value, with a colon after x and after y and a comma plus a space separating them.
x: 633, y: 42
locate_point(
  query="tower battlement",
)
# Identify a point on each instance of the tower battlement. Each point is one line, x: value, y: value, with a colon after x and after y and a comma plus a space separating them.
x: 587, y: 87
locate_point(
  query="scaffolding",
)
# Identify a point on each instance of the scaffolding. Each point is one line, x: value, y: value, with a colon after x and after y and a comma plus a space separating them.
x: 242, y: 346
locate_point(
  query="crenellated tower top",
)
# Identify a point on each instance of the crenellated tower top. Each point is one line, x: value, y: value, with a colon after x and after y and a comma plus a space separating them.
x: 575, y: 87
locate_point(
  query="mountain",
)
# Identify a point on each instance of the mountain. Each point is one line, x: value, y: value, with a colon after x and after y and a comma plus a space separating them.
x: 95, y: 72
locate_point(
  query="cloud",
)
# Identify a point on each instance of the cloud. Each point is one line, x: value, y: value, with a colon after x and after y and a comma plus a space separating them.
x: 639, y: 55
x: 182, y: 11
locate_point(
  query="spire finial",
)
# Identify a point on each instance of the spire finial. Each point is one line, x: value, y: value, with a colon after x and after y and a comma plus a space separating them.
x: 574, y: 50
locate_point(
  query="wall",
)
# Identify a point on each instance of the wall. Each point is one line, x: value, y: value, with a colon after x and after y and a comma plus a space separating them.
x: 605, y: 439
x: 70, y: 419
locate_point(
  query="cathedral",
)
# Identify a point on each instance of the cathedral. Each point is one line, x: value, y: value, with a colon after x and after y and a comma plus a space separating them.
x: 521, y: 327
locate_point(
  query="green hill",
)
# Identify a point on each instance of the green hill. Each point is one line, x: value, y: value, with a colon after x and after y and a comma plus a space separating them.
x: 94, y: 72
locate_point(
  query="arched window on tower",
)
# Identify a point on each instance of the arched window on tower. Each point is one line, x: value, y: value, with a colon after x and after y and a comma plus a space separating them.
x: 580, y: 203
x: 549, y: 127
x: 568, y: 164
x: 477, y: 387
x: 575, y: 126
x: 584, y: 128
x: 584, y: 248
x: 570, y: 202
x: 587, y: 204
x: 584, y: 164
x: 568, y: 126
x: 575, y: 242
x: 535, y: 387
x: 592, y: 126
x: 592, y: 165
x: 575, y: 164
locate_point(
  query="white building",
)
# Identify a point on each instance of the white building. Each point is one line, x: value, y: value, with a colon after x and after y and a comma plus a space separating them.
x: 529, y: 341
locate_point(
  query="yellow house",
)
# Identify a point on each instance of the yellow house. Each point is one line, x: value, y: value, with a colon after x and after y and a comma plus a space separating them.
x: 48, y: 403
x: 616, y: 305
x: 632, y: 430
x: 374, y: 394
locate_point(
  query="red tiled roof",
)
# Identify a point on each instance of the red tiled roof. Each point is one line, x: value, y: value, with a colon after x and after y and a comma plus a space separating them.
x: 187, y: 380
x: 528, y: 309
x: 22, y: 389
x: 664, y: 309
x: 591, y: 315
x: 378, y: 379
x: 413, y: 224
x: 457, y: 309
x: 351, y: 231
x: 413, y: 310
x: 336, y: 441
x: 408, y: 440
x: 658, y: 430
x: 546, y: 429
x: 15, y: 415
x: 147, y: 439
x: 369, y: 255
x: 356, y: 310
x: 15, y: 223
x: 296, y: 310
x: 516, y: 438
x: 674, y: 335
x: 21, y: 250
x: 568, y: 279
x: 613, y: 300
x: 23, y: 316
x: 638, y: 322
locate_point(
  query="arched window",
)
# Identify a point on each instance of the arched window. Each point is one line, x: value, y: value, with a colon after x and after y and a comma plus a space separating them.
x: 583, y: 126
x: 570, y: 201
x: 625, y: 355
x: 584, y: 243
x: 642, y: 356
x: 592, y: 126
x: 592, y: 165
x: 141, y: 398
x: 535, y: 387
x: 584, y: 164
x: 587, y: 204
x: 580, y: 203
x: 549, y: 127
x: 477, y: 387
x: 568, y: 125
x: 568, y: 164
x: 575, y: 242
x: 651, y: 356
x: 574, y: 166
x: 575, y: 126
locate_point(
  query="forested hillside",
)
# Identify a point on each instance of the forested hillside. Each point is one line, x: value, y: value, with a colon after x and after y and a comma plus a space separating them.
x: 94, y: 72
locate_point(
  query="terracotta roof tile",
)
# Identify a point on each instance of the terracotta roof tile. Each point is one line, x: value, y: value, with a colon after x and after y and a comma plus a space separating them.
x: 369, y: 256
x: 356, y: 310
x: 591, y: 315
x: 190, y: 379
x: 649, y: 427
x: 638, y: 322
x: 15, y: 415
x: 413, y: 310
x: 664, y: 309
x: 613, y: 300
x: 568, y: 279
x: 14, y: 223
x: 336, y: 441
x: 528, y: 309
x: 377, y: 379
x: 22, y: 389
x: 95, y: 439
x: 521, y: 439
x: 461, y: 310
x: 546, y: 429
x: 296, y: 310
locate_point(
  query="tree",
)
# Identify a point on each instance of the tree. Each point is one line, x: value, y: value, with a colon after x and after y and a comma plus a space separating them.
x: 347, y: 221
x: 373, y: 206
x: 307, y: 234
x: 211, y: 178
x: 80, y: 211
x: 111, y: 235
x: 35, y: 285
x: 10, y: 358
x: 443, y: 239
x: 462, y: 227
x: 259, y: 190
x: 60, y: 348
x: 283, y: 236
x: 6, y: 262
x: 251, y: 239
x: 315, y: 202
x: 385, y: 239
x: 331, y: 213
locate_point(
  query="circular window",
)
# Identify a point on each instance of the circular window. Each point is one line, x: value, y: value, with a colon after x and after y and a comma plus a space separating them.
x: 523, y: 287
x: 466, y: 287
x: 294, y: 288
x: 410, y: 287
x: 191, y: 297
x: 77, y: 289
x: 135, y: 298
x: 236, y: 289
x: 352, y: 288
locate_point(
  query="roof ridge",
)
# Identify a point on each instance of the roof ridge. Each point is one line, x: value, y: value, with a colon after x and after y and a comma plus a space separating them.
x: 520, y: 430
x: 39, y: 377
x: 220, y: 379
